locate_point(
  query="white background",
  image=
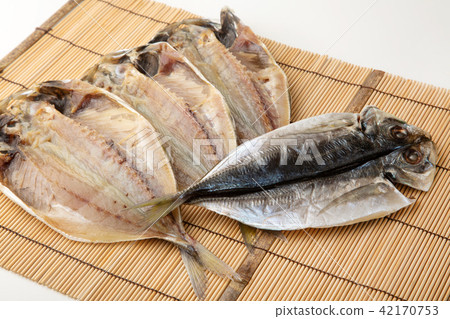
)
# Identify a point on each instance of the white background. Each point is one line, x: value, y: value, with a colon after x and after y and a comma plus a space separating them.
x: 410, y: 38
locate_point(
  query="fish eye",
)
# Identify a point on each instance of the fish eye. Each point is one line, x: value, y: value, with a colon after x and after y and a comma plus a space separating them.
x: 412, y: 156
x: 399, y: 132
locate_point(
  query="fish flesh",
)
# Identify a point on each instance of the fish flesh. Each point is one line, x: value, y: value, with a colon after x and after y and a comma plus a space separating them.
x: 77, y: 181
x: 178, y: 78
x: 232, y: 58
x: 239, y: 65
x: 103, y: 112
x: 80, y: 177
x: 189, y: 113
x: 244, y: 44
x: 310, y: 154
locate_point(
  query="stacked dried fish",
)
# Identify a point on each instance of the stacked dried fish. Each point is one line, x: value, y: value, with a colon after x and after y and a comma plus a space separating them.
x: 239, y: 65
x: 77, y: 157
x: 236, y: 62
x: 174, y: 97
x: 159, y: 125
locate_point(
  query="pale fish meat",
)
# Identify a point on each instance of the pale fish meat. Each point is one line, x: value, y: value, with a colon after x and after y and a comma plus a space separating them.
x: 306, y: 157
x: 243, y: 43
x: 117, y: 122
x: 190, y: 114
x: 80, y: 179
x: 249, y: 100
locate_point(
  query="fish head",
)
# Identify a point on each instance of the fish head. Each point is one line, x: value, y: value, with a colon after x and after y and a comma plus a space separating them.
x: 7, y: 141
x: 184, y: 26
x: 227, y: 34
x: 190, y: 35
x: 103, y: 75
x: 386, y: 130
x: 414, y: 165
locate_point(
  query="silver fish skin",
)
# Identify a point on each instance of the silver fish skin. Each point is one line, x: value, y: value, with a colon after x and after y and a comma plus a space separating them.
x: 75, y: 175
x: 363, y: 193
x: 317, y: 147
x: 144, y: 77
x: 308, y: 148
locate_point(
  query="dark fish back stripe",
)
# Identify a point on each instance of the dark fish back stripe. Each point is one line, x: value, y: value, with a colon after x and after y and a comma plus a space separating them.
x: 259, y: 187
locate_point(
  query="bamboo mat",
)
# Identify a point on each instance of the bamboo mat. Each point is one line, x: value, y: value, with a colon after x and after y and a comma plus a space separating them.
x: 404, y: 256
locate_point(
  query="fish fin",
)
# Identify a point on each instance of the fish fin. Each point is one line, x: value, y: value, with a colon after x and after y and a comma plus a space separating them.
x: 196, y: 272
x: 177, y: 215
x: 197, y: 259
x: 278, y: 234
x: 368, y: 202
x: 249, y: 235
x: 157, y: 208
x: 213, y: 263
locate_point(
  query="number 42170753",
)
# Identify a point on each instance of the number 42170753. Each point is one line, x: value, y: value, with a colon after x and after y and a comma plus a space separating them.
x: 409, y: 310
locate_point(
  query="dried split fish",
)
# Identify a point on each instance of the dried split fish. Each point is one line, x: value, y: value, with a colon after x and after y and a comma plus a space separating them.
x: 354, y: 196
x: 233, y: 59
x: 184, y: 108
x: 65, y: 159
x: 243, y: 43
x: 323, y: 164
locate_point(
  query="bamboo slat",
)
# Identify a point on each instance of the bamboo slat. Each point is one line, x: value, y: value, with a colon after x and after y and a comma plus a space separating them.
x: 405, y: 256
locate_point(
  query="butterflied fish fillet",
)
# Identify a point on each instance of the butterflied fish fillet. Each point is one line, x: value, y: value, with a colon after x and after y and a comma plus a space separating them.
x: 116, y: 121
x: 188, y: 112
x: 307, y: 152
x: 81, y: 178
x: 266, y: 76
x: 354, y: 196
x: 249, y: 101
x: 243, y: 43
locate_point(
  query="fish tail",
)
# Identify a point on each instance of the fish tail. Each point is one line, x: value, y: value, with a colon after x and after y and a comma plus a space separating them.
x: 196, y: 273
x: 249, y: 235
x: 197, y: 259
x: 215, y: 264
x: 159, y: 207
